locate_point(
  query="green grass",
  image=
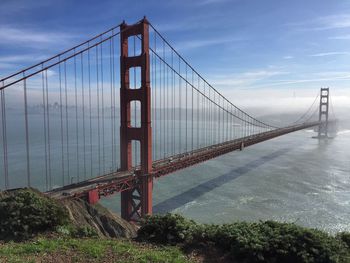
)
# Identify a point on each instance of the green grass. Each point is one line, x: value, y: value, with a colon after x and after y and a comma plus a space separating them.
x: 88, y: 250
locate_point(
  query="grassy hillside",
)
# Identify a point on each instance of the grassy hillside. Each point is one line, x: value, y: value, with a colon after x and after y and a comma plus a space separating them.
x: 68, y: 250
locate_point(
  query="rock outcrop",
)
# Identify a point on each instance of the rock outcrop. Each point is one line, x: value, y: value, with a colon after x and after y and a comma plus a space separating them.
x: 106, y: 223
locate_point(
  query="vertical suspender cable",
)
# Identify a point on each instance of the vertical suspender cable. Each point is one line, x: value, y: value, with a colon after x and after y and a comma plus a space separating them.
x: 168, y: 87
x: 210, y: 118
x: 204, y: 120
x: 98, y: 112
x: 161, y: 120
x: 163, y: 99
x: 45, y: 132
x: 172, y: 105
x: 218, y: 109
x: 192, y: 121
x: 4, y: 136
x: 26, y: 128
x: 83, y: 109
x: 227, y: 122
x: 152, y: 104
x: 90, y: 115
x: 103, y: 112
x: 61, y: 124
x: 155, y: 100
x: 111, y: 101
x: 48, y: 129
x: 186, y: 111
x: 214, y: 119
x: 67, y: 121
x: 197, y: 109
x: 115, y: 162
x: 76, y: 117
x: 163, y: 102
x: 180, y: 110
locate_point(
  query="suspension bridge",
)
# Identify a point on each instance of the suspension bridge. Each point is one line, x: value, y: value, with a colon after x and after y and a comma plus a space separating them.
x: 112, y: 113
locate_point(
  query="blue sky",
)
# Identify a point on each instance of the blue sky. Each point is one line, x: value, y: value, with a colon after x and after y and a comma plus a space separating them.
x: 243, y: 47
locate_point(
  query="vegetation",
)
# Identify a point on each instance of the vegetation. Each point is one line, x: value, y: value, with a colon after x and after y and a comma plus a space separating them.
x: 87, y: 250
x: 76, y: 232
x: 48, y: 235
x: 250, y: 242
x: 25, y: 212
x: 345, y: 237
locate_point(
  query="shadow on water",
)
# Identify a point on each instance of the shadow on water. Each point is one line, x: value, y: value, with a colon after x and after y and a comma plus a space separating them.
x: 199, y: 190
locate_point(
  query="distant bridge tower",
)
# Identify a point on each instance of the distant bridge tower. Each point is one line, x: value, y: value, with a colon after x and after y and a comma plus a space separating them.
x: 137, y: 202
x: 323, y: 113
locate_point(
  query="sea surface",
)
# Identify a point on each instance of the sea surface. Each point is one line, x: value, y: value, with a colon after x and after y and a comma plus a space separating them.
x: 293, y: 178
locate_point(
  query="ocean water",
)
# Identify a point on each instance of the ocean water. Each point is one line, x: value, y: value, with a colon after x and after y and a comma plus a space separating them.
x: 293, y: 178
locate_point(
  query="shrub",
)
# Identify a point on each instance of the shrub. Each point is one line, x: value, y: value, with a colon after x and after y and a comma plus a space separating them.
x: 84, y: 231
x: 26, y: 212
x: 278, y: 242
x: 76, y: 232
x: 170, y: 228
x: 345, y: 237
x: 250, y: 242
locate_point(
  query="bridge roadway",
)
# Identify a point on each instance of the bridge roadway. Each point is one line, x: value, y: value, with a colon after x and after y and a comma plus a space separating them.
x: 123, y: 180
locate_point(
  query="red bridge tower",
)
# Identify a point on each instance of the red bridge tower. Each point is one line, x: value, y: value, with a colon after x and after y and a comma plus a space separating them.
x: 137, y: 202
x: 323, y: 113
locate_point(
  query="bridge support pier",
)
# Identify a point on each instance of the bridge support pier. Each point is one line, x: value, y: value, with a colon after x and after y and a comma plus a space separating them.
x: 323, y: 113
x: 137, y: 202
x: 93, y: 197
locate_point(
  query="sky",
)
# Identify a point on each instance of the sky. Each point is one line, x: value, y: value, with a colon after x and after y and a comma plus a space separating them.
x: 248, y: 49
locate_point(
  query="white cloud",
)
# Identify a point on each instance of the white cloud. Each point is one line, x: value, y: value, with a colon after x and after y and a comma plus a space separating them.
x: 190, y: 24
x: 245, y: 79
x: 198, y: 43
x: 209, y: 2
x: 31, y: 38
x: 22, y: 5
x: 343, y: 37
x: 329, y: 54
x: 315, y: 79
x: 198, y: 21
x: 339, y: 21
x: 332, y: 74
x: 51, y: 72
x: 13, y: 62
x: 21, y: 58
x: 4, y: 65
x: 333, y: 22
x: 288, y: 57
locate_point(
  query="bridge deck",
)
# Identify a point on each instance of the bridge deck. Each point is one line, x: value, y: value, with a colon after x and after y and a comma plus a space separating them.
x: 122, y: 180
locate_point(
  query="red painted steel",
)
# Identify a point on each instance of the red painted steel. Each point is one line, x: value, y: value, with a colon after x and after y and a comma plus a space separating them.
x: 136, y: 202
x: 93, y: 196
